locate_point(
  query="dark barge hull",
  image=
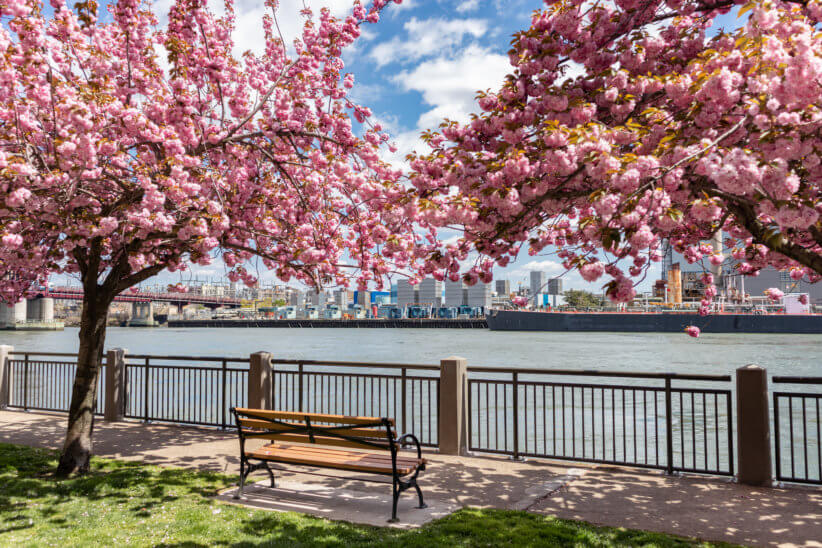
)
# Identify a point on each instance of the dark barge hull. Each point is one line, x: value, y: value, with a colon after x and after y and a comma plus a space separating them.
x: 512, y: 320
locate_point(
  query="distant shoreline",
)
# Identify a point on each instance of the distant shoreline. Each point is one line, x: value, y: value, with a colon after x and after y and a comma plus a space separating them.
x: 365, y: 323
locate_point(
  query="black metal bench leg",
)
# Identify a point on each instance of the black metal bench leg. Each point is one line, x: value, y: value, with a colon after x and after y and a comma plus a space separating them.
x: 270, y: 474
x: 419, y: 494
x: 396, y: 492
x: 239, y: 493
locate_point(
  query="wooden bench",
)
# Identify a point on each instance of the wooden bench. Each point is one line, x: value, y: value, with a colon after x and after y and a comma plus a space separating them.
x: 331, y: 442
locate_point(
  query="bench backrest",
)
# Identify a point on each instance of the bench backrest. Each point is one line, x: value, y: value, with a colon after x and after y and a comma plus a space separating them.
x: 372, y: 433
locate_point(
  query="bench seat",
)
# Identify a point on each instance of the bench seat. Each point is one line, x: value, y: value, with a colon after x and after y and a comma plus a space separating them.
x: 341, y: 459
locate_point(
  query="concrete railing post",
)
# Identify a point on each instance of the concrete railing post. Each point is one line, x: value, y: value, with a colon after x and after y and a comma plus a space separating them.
x: 753, y: 426
x: 115, y: 388
x: 453, y: 411
x: 260, y: 378
x: 5, y: 375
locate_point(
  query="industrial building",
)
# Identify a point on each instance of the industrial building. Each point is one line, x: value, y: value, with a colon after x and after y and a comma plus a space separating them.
x: 479, y: 295
x: 454, y: 293
x: 538, y: 280
x: 407, y: 294
x: 430, y: 292
x: 341, y: 298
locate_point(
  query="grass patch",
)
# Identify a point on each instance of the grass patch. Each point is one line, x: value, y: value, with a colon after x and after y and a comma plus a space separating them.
x: 126, y: 503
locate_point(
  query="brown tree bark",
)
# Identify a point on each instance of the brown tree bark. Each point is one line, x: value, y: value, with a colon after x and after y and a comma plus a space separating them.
x: 77, y: 446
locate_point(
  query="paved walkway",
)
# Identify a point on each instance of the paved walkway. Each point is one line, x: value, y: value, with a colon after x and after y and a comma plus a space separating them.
x: 706, y: 508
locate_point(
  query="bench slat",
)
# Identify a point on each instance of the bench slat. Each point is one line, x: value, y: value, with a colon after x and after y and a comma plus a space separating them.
x: 342, y: 460
x: 351, y: 432
x: 318, y: 417
x: 323, y: 451
x: 319, y: 440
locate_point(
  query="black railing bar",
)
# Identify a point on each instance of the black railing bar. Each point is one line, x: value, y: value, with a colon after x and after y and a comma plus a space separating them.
x: 701, y: 391
x: 700, y: 471
x: 184, y: 367
x: 357, y: 374
x: 48, y: 409
x: 275, y: 361
x: 576, y: 385
x: 595, y: 461
x: 23, y: 352
x: 801, y: 480
x: 173, y: 421
x: 44, y: 362
x: 187, y: 358
x: 597, y: 373
x: 797, y: 380
x: 817, y: 395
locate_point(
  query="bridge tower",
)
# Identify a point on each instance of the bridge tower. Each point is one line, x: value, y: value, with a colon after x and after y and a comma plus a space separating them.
x: 11, y: 315
x: 40, y: 309
x: 142, y: 314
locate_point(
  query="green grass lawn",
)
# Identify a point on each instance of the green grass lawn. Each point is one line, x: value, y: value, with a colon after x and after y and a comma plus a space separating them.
x: 131, y: 503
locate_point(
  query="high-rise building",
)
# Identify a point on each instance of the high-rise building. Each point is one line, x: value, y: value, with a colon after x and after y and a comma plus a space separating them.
x: 295, y: 297
x: 555, y: 286
x: 479, y: 294
x: 341, y: 298
x: 315, y: 298
x: 538, y: 280
x: 503, y: 288
x: 453, y: 293
x: 431, y: 292
x: 407, y: 294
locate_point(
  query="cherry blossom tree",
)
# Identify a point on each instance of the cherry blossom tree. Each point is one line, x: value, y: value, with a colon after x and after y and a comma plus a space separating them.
x: 127, y: 149
x: 624, y: 124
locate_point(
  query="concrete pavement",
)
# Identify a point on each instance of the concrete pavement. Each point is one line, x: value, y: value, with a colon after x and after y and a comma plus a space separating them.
x: 702, y: 507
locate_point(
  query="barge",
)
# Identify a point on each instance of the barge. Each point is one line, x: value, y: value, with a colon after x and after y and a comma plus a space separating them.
x: 651, y: 322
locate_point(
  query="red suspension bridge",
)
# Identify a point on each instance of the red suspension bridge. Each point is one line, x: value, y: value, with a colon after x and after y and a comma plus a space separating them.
x: 178, y: 298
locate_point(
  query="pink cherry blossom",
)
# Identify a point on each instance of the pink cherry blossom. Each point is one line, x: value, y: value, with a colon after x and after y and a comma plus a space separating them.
x: 774, y: 294
x: 693, y: 331
x: 519, y: 301
x: 129, y: 149
x: 666, y: 132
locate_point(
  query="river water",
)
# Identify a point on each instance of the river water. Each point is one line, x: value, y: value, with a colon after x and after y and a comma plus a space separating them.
x: 651, y: 352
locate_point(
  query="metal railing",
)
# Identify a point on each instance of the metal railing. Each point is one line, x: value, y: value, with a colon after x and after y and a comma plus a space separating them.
x: 407, y: 393
x: 42, y: 381
x: 160, y: 389
x: 521, y: 413
x: 797, y: 431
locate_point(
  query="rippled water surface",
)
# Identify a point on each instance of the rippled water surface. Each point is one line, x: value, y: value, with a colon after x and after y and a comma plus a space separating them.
x: 656, y: 352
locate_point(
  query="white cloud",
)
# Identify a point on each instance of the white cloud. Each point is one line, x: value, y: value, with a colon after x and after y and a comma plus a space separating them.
x: 427, y: 37
x: 449, y: 85
x: 468, y: 5
x: 405, y: 6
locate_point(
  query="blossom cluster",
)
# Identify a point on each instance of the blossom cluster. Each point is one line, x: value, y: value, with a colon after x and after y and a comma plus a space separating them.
x: 127, y: 148
x: 668, y: 133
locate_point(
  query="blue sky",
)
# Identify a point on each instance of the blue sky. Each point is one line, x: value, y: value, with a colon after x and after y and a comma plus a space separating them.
x: 422, y: 62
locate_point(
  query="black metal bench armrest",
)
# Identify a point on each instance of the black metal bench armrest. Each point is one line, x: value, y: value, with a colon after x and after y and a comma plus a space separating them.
x: 399, y: 442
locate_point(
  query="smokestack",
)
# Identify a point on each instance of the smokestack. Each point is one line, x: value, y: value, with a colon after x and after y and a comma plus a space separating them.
x: 716, y: 243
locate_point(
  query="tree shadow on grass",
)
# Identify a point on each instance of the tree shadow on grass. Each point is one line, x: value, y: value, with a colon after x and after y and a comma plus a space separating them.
x: 27, y: 474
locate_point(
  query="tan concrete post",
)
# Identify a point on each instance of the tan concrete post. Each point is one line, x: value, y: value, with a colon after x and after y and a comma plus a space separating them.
x: 753, y: 426
x: 453, y: 411
x: 5, y: 375
x: 260, y: 378
x: 115, y: 387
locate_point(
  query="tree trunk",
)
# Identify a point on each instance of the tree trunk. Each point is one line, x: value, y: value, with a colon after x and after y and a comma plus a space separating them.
x: 77, y: 447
